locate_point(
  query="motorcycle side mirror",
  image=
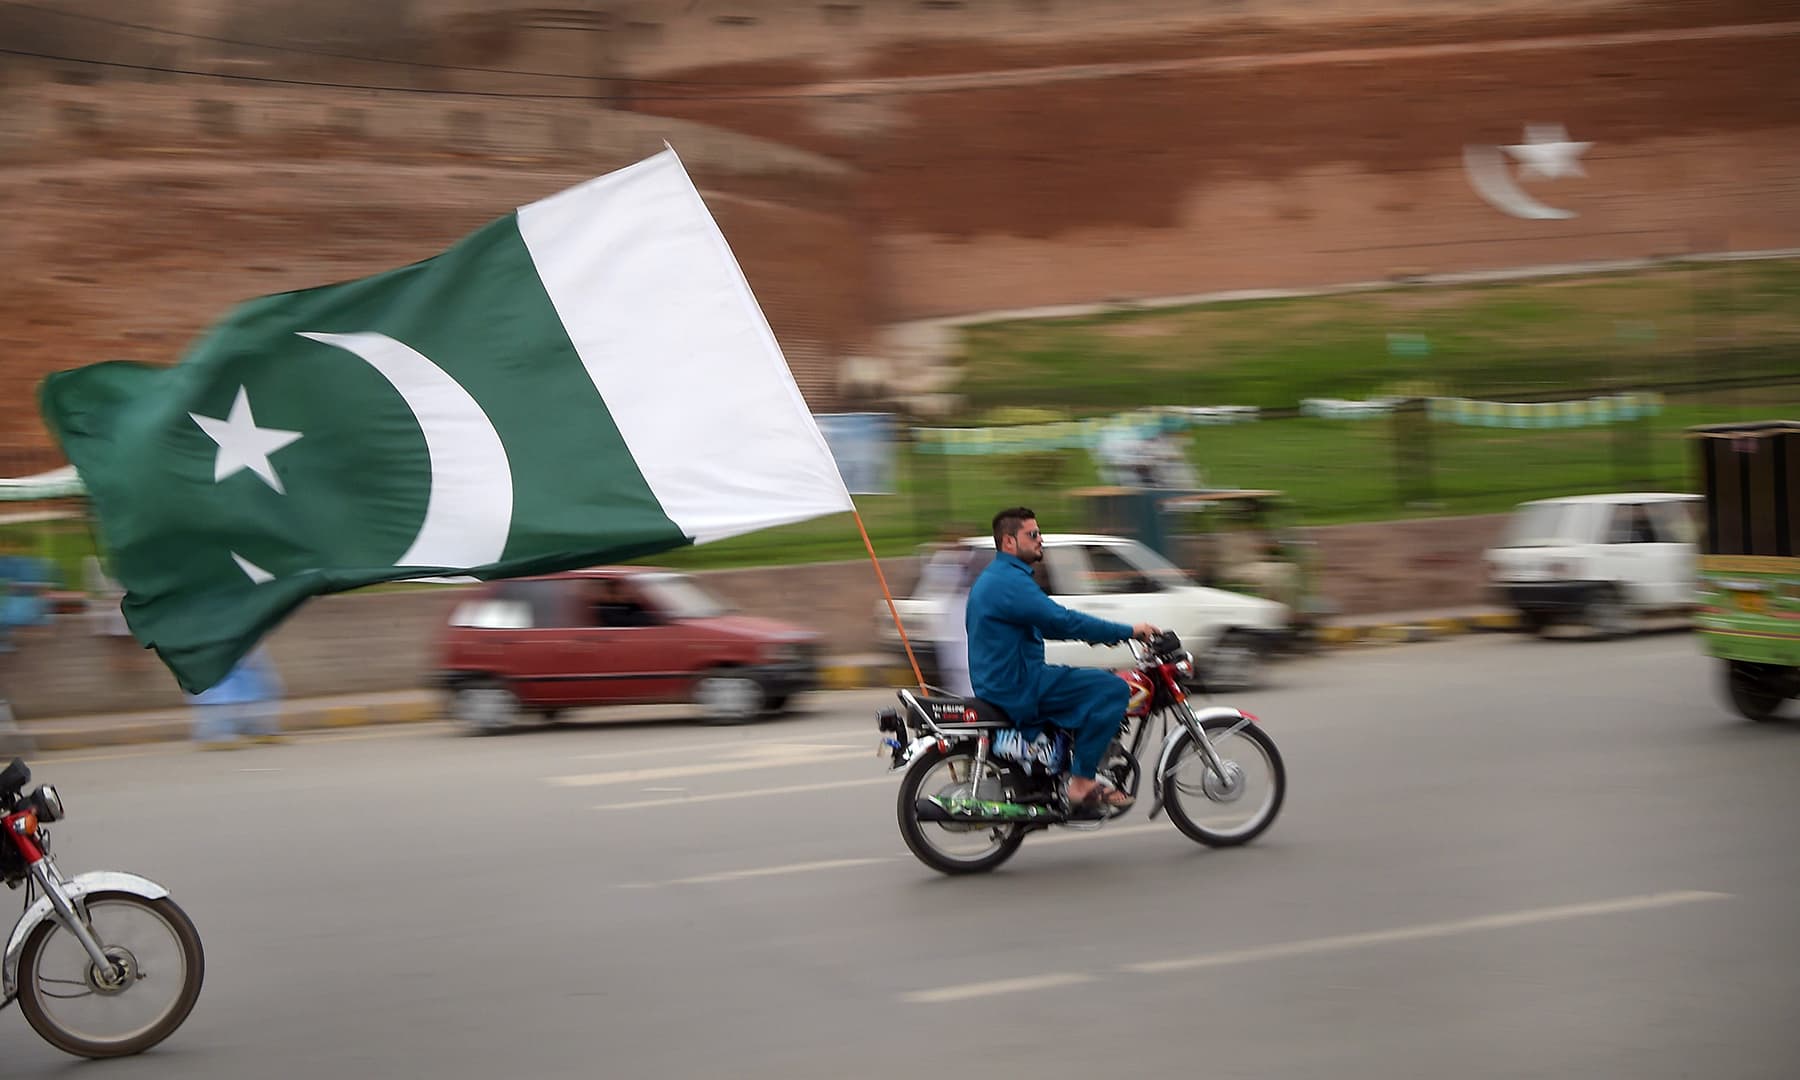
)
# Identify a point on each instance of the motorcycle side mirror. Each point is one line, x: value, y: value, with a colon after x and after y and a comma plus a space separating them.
x: 13, y: 779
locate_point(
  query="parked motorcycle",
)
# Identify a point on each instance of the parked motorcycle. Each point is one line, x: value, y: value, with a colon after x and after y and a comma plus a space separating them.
x: 103, y: 964
x: 973, y: 789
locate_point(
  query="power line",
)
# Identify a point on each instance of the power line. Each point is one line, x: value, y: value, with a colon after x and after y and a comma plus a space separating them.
x: 378, y: 59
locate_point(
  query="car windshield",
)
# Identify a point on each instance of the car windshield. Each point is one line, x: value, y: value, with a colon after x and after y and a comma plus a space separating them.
x: 1544, y: 524
x: 680, y: 597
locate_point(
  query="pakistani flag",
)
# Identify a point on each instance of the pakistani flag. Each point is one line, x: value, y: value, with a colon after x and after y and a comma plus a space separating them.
x: 585, y: 380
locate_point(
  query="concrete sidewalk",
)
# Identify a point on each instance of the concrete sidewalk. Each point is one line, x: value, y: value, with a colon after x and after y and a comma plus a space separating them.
x: 46, y: 734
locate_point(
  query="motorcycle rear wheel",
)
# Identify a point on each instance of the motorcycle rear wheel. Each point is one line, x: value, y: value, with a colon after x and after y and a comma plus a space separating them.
x: 947, y: 847
x: 1200, y: 803
x: 64, y: 1000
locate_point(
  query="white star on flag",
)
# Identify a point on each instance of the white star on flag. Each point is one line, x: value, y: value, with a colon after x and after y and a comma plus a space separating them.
x: 243, y: 445
x: 1547, y: 152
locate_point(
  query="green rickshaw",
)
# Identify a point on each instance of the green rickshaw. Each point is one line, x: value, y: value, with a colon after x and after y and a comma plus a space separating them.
x: 1749, y: 569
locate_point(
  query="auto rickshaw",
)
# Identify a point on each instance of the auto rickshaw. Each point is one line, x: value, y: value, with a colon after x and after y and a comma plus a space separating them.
x: 1242, y: 539
x: 1748, y: 612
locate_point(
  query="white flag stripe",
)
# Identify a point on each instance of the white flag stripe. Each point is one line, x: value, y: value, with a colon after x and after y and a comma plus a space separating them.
x: 667, y: 329
x: 469, y: 514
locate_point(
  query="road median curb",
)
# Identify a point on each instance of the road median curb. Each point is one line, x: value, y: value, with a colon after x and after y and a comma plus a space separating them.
x: 1430, y: 628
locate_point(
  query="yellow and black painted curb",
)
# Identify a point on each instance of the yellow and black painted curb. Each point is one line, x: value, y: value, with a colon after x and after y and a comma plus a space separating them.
x: 1393, y: 633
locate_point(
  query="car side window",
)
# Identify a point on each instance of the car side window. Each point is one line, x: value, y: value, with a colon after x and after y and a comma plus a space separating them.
x: 1111, y: 574
x: 492, y: 613
x: 1630, y: 525
x: 1674, y: 522
x: 513, y: 605
x: 615, y: 605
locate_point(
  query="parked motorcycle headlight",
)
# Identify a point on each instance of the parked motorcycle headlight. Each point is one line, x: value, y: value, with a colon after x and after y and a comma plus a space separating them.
x: 47, y: 803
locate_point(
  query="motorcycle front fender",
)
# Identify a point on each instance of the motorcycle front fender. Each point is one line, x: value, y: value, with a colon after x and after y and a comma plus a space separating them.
x: 96, y: 881
x: 1166, y: 759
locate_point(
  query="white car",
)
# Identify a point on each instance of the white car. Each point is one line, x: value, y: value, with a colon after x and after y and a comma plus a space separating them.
x: 1602, y: 560
x: 1118, y: 579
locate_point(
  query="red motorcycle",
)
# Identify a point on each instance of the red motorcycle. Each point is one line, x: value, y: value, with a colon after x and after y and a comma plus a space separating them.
x: 973, y: 790
x: 103, y: 964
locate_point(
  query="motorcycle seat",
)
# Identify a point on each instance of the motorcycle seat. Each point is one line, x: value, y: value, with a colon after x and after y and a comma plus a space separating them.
x: 964, y: 713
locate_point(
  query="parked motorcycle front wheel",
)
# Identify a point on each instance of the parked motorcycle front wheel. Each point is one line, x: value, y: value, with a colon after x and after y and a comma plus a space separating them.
x: 1225, y: 810
x: 951, y: 847
x: 158, y: 966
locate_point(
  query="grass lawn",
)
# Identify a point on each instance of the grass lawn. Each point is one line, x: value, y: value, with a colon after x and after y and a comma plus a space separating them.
x: 1679, y: 323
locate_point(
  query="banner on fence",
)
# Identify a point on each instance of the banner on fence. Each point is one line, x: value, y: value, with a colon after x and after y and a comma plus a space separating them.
x: 1585, y: 412
x: 1089, y: 434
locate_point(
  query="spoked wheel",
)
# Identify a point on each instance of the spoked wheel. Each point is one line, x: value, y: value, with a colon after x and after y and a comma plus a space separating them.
x: 157, y: 970
x: 952, y: 847
x: 1233, y: 808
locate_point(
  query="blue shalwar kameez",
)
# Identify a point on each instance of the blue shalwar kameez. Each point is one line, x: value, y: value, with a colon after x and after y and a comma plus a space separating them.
x: 1008, y: 618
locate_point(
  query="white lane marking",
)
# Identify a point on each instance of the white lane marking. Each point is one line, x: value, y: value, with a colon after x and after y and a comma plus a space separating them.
x: 1426, y: 931
x: 999, y: 986
x: 673, y: 772
x: 1326, y: 944
x: 725, y: 796
x: 760, y: 872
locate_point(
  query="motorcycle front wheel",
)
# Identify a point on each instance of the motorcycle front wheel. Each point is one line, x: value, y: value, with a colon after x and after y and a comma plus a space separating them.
x: 950, y: 847
x: 157, y: 970
x: 1233, y: 808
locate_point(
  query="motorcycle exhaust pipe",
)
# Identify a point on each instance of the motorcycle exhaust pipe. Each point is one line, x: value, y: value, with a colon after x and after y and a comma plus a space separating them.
x: 926, y: 809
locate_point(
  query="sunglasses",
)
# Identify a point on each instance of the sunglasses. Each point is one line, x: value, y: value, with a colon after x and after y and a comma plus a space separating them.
x: 1031, y: 534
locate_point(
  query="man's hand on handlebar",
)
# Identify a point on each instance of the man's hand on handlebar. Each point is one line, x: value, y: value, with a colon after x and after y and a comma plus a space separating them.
x: 1144, y: 632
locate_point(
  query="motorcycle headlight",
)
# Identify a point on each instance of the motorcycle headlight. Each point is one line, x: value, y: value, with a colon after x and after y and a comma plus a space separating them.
x: 1185, y: 665
x: 47, y: 803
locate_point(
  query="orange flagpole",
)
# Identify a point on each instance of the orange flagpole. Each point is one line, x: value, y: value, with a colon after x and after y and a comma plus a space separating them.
x: 905, y: 642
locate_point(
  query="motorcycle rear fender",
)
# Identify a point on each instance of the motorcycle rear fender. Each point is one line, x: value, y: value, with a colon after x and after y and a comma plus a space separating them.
x: 1166, y: 758
x: 95, y: 881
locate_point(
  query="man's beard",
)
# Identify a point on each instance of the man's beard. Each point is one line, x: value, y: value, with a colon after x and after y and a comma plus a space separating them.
x: 1034, y: 557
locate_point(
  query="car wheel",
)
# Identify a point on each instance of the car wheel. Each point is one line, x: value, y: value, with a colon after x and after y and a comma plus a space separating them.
x: 483, y: 706
x: 775, y: 704
x: 1607, y: 614
x: 1233, y: 663
x: 728, y: 697
x: 1536, y: 622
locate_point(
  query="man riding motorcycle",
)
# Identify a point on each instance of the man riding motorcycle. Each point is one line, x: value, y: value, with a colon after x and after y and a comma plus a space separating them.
x: 1008, y: 618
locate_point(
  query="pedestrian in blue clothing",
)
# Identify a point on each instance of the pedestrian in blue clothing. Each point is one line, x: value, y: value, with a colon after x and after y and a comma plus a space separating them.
x: 1008, y: 617
x: 244, y: 705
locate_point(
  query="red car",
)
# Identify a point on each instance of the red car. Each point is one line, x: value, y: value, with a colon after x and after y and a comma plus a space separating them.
x: 615, y: 636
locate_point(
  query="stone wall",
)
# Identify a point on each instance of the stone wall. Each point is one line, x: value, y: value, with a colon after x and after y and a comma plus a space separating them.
x: 377, y: 641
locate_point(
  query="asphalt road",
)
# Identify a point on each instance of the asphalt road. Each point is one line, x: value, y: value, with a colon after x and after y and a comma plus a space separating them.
x: 1500, y: 857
